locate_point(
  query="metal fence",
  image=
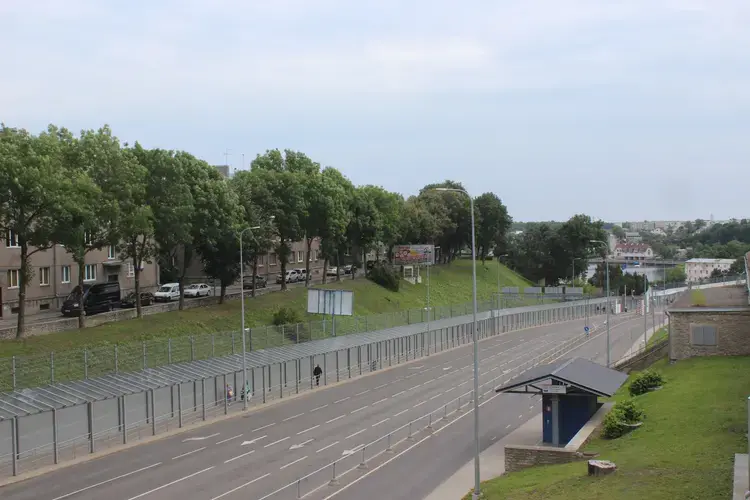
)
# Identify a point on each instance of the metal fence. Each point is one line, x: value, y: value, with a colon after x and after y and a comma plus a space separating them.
x: 48, y: 425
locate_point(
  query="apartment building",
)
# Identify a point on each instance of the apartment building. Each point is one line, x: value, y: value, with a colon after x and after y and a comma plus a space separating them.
x: 56, y: 274
x: 701, y: 269
x: 633, y: 251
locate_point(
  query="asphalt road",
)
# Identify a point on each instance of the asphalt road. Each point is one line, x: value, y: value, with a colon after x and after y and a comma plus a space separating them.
x: 405, y: 478
x: 255, y: 455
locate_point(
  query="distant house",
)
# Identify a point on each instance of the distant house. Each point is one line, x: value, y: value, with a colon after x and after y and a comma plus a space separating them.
x: 633, y: 251
x: 701, y: 269
x: 633, y: 237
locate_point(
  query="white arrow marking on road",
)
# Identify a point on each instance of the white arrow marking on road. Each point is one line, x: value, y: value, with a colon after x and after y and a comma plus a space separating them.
x: 200, y: 438
x: 298, y: 446
x: 245, y: 443
x: 447, y: 368
x: 416, y: 367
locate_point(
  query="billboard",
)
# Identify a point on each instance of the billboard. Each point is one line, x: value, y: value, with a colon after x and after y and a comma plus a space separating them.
x: 331, y: 302
x: 409, y: 255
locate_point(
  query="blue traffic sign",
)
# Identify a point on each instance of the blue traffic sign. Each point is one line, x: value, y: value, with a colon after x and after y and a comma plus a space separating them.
x: 624, y: 267
x: 586, y: 329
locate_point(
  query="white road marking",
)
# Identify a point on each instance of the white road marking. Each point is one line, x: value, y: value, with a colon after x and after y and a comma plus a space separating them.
x: 239, y: 456
x: 360, y: 409
x: 355, y: 434
x: 398, y: 394
x: 435, y: 396
x: 203, y: 438
x: 507, y: 426
x: 171, y: 483
x: 381, y: 422
x: 346, y: 453
x: 276, y: 442
x: 301, y: 445
x: 449, y: 390
x: 188, y: 453
x: 400, y: 413
x: 363, y: 392
x: 520, y: 416
x: 416, y: 367
x: 229, y: 439
x: 380, y: 387
x: 292, y: 418
x: 306, y: 430
x: 334, y: 419
x: 419, y: 404
x: 107, y: 481
x: 240, y: 487
x: 292, y: 463
x: 264, y: 427
x: 326, y: 447
x: 245, y: 443
x: 318, y: 408
x: 342, y: 400
x: 531, y: 407
x: 418, y: 385
x: 376, y: 402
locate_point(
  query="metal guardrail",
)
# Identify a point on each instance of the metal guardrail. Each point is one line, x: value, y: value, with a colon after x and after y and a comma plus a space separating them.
x: 54, y: 434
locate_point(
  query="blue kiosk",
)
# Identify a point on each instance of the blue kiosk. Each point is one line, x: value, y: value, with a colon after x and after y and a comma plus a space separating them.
x: 569, y: 390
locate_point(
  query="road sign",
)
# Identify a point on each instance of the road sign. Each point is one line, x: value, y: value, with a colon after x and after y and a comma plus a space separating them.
x: 624, y: 267
x: 331, y: 302
x: 586, y: 329
x: 555, y: 389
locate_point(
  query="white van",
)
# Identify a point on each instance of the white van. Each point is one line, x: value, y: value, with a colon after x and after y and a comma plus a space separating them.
x: 167, y: 292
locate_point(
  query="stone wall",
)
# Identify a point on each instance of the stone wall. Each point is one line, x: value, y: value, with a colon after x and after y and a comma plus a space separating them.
x: 61, y: 325
x: 518, y: 457
x: 647, y: 358
x: 732, y: 333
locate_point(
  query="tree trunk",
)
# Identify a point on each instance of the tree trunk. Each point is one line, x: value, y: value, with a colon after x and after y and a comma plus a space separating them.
x: 338, y: 266
x: 137, y: 280
x: 81, y: 310
x: 255, y: 275
x: 181, y: 281
x: 181, y: 284
x: 23, y: 278
x: 325, y: 270
x: 282, y: 257
x: 223, y: 292
x: 307, y: 261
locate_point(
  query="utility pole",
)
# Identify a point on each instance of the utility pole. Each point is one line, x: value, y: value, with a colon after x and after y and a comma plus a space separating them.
x: 645, y: 309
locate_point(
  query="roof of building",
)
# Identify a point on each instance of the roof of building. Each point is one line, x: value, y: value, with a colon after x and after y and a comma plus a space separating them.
x: 710, y: 261
x: 580, y: 373
x: 719, y: 297
x: 632, y: 247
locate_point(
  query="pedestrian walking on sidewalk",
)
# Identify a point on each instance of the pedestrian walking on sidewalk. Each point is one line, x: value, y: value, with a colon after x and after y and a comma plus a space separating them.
x: 317, y: 372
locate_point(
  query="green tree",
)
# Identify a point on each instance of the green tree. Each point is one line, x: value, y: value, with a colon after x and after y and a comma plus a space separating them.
x: 89, y: 217
x: 279, y: 189
x: 619, y: 232
x: 492, y: 222
x: 452, y: 216
x: 333, y: 227
x: 676, y: 274
x: 36, y: 184
x: 576, y: 235
x: 390, y: 208
x: 365, y: 223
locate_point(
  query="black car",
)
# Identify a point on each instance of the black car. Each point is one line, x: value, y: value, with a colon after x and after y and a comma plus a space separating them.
x: 128, y: 302
x: 260, y: 282
x: 96, y: 298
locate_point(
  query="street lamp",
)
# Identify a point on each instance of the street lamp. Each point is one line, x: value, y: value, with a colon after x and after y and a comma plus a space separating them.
x: 242, y: 321
x: 606, y: 263
x: 498, y: 280
x: 475, y: 493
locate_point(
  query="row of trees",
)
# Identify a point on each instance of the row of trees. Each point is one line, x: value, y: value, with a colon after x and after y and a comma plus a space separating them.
x: 90, y: 191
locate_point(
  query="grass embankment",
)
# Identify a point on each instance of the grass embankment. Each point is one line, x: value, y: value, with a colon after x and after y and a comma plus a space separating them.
x: 685, y: 448
x: 449, y: 284
x: 658, y: 336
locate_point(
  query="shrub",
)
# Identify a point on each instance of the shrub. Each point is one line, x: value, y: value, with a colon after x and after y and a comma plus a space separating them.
x: 385, y: 276
x: 617, y: 421
x: 286, y: 316
x: 644, y: 382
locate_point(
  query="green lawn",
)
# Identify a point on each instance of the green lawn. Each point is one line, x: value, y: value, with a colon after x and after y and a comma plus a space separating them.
x: 658, y: 336
x: 189, y: 329
x: 685, y: 449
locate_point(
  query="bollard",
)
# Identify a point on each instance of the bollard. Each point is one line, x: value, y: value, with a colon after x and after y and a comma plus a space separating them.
x: 145, y: 364
x: 124, y: 420
x: 389, y: 449
x: 85, y: 363
x: 52, y: 366
x: 153, y: 414
x: 13, y: 370
x: 179, y: 405
x: 54, y: 436
x: 334, y: 479
x: 429, y: 424
x: 363, y: 464
x: 298, y: 488
x: 90, y: 423
x: 14, y: 444
x: 409, y: 437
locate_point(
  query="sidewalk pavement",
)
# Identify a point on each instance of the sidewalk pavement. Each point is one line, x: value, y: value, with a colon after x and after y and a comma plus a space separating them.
x: 491, y: 461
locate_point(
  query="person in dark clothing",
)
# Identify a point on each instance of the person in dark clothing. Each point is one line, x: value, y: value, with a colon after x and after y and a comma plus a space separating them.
x: 317, y: 372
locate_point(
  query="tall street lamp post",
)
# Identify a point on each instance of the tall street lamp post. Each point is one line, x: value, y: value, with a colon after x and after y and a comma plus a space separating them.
x: 242, y: 321
x: 475, y: 493
x: 606, y: 264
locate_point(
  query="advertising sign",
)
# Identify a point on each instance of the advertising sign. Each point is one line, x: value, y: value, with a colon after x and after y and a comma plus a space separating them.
x: 409, y: 255
x: 330, y: 302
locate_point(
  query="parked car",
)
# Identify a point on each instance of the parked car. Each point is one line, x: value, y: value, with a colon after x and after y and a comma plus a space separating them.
x: 301, y: 274
x: 332, y: 271
x: 167, y: 293
x: 348, y: 269
x: 197, y: 290
x: 96, y: 298
x: 260, y: 282
x: 128, y: 302
x: 292, y: 276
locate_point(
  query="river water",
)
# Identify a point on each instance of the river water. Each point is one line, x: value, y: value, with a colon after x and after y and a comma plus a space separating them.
x: 654, y: 274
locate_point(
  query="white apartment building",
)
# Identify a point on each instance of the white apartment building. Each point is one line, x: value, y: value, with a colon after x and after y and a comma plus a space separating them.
x: 633, y: 251
x: 701, y: 269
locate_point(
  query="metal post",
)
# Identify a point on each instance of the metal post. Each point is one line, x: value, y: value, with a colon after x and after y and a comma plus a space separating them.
x: 52, y: 366
x: 14, y: 444
x: 263, y: 381
x: 179, y: 405
x: 311, y: 370
x: 645, y: 314
x: 116, y: 361
x: 359, y: 358
x: 338, y: 371
x: 192, y: 348
x: 153, y: 413
x: 54, y: 436
x: 297, y: 364
x: 475, y: 494
x: 282, y: 365
x: 203, y: 397
x: 748, y: 435
x: 90, y: 424
x: 428, y: 309
x: 213, y: 346
x: 606, y: 260
x: 124, y: 420
x: 349, y: 360
x: 85, y: 363
x: 226, y: 400
x: 144, y: 355
x: 13, y: 370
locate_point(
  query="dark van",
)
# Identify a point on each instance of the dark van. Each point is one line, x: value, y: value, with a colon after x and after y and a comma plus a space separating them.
x: 100, y: 297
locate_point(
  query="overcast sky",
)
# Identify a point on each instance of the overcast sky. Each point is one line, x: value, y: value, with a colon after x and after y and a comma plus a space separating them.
x: 624, y: 110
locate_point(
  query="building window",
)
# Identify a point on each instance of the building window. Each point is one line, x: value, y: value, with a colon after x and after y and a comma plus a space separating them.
x: 44, y: 276
x: 272, y: 259
x: 111, y: 252
x: 65, y: 274
x: 315, y: 255
x: 14, y: 278
x: 86, y: 238
x: 703, y: 335
x: 11, y: 240
x: 89, y: 272
x: 261, y: 260
x: 300, y: 256
x: 131, y: 270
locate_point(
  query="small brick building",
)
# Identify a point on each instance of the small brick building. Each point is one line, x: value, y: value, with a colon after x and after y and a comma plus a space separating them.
x: 710, y: 322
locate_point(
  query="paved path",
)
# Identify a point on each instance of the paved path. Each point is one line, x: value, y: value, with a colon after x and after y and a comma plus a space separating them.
x: 450, y: 448
x: 252, y: 456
